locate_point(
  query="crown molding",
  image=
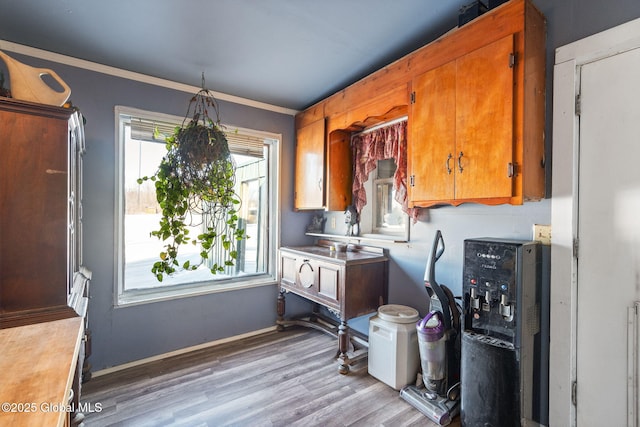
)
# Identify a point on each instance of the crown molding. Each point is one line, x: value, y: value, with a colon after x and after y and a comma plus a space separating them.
x: 130, y: 75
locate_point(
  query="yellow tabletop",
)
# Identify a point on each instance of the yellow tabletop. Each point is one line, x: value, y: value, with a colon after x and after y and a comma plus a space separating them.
x: 37, y: 366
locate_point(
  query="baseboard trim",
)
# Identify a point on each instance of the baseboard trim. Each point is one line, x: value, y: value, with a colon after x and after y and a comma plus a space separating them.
x: 139, y: 362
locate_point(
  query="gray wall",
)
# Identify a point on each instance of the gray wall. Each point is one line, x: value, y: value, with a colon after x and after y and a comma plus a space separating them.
x: 126, y: 334
x: 122, y: 335
x: 129, y: 333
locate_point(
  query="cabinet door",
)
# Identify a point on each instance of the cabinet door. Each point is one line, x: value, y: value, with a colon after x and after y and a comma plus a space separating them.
x: 433, y: 120
x: 309, y: 173
x: 287, y: 269
x: 33, y: 222
x: 462, y: 142
x: 484, y: 122
x: 329, y: 280
x: 299, y: 275
x: 339, y: 178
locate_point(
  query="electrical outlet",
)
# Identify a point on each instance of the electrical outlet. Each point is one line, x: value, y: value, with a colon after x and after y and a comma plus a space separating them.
x: 333, y: 222
x: 542, y: 233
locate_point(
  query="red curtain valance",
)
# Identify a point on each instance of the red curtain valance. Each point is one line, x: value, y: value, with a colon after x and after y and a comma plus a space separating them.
x: 389, y: 142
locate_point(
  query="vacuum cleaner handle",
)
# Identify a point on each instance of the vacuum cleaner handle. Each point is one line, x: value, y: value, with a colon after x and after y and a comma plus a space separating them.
x: 423, y: 322
x: 436, y: 252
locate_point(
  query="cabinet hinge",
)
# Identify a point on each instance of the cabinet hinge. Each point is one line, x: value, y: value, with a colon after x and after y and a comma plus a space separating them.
x: 578, y: 104
x: 413, y: 97
x: 574, y: 393
x: 412, y: 180
x: 576, y: 246
x: 513, y: 170
x: 512, y: 60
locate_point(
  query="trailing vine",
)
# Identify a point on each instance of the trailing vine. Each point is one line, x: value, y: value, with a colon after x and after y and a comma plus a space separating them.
x: 195, y: 186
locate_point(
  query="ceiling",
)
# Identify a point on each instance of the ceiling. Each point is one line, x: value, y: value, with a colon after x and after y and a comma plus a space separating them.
x: 287, y: 53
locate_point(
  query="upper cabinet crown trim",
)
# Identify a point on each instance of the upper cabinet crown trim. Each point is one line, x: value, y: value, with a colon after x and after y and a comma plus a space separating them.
x: 508, y: 18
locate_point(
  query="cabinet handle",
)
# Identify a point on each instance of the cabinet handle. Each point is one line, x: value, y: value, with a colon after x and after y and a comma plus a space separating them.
x: 510, y: 170
x: 449, y: 166
x: 460, y: 162
x: 320, y: 184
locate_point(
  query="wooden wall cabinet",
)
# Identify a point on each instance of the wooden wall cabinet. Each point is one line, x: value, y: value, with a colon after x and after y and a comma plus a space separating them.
x: 349, y: 284
x: 478, y: 90
x: 477, y: 117
x: 310, y: 166
x: 323, y: 168
x: 462, y: 144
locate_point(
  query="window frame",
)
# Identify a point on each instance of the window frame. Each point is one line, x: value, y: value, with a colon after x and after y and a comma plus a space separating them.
x: 368, y: 228
x: 124, y: 297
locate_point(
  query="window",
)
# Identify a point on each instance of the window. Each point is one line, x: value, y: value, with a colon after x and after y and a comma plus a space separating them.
x: 388, y: 217
x: 382, y: 217
x: 141, y: 147
x: 379, y: 183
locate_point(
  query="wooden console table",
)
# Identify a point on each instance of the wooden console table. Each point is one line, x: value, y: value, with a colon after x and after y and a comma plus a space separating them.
x: 349, y: 284
x: 38, y: 364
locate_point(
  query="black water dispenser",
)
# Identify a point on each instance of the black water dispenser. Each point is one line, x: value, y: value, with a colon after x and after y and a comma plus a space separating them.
x: 501, y: 308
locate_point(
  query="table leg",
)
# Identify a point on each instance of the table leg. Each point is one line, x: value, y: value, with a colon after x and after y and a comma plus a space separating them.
x: 280, y: 311
x: 343, y: 347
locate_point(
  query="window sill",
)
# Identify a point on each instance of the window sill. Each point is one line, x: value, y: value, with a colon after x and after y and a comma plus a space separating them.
x: 138, y: 297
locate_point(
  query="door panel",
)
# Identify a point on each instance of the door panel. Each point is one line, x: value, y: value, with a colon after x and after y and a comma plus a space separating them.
x: 609, y: 235
x: 329, y: 280
x: 309, y: 173
x: 484, y: 124
x: 433, y: 134
x: 339, y: 173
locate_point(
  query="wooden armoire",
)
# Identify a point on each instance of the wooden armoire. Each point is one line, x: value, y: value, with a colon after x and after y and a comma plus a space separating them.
x: 42, y: 277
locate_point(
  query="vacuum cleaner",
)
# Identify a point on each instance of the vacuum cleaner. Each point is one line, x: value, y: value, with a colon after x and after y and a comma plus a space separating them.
x: 437, y: 395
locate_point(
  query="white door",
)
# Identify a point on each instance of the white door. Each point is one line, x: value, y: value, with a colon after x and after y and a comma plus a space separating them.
x: 608, y: 280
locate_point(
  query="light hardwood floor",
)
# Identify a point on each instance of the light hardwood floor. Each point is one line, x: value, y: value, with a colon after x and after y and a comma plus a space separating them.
x: 285, y: 378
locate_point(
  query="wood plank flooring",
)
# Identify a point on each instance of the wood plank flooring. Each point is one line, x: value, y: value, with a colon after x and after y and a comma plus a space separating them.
x: 285, y: 378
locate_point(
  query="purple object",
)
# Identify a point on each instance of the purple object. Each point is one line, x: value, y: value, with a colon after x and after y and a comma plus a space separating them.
x: 431, y: 328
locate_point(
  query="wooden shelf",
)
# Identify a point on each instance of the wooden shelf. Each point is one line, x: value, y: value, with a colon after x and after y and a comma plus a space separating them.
x: 359, y: 239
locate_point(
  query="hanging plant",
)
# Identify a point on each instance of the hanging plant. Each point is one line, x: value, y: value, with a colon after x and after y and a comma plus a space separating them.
x: 195, y: 186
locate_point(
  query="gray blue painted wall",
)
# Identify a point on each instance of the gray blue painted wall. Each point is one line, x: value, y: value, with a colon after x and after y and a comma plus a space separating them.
x: 122, y: 335
x: 126, y: 334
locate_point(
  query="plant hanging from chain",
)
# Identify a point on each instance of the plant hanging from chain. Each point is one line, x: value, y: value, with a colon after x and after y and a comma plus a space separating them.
x: 195, y: 187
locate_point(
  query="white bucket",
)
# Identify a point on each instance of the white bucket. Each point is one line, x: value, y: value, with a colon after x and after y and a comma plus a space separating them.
x: 394, y: 357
